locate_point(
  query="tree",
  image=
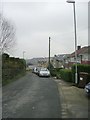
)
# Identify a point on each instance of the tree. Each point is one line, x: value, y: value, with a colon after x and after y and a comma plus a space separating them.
x: 7, y: 34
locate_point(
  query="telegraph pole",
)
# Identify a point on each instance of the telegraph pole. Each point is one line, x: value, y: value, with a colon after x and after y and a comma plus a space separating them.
x: 49, y: 53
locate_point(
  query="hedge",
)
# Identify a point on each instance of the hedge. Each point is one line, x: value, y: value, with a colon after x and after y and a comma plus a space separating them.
x: 55, y: 72
x: 11, y: 68
x: 80, y: 68
x: 69, y: 75
x: 66, y: 75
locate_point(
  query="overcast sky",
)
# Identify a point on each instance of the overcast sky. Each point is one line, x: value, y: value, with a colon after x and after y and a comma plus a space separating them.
x: 35, y: 21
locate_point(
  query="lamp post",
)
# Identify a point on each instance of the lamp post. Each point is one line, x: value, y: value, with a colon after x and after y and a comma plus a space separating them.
x: 49, y: 53
x: 73, y: 2
x: 23, y: 54
x: 24, y: 59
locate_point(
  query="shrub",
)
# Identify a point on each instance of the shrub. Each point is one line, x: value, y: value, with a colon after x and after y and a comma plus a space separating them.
x: 53, y: 72
x: 12, y: 67
x: 66, y: 75
x: 80, y: 68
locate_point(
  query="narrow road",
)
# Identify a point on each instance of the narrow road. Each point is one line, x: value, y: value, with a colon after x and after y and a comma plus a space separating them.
x: 31, y: 97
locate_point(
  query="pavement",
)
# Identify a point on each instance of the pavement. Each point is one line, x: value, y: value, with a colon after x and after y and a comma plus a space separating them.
x: 74, y: 100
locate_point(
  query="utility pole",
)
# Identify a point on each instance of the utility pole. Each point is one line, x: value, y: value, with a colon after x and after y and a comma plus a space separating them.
x: 49, y: 53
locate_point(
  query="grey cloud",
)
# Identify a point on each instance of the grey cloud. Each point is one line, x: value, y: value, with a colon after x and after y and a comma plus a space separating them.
x: 35, y: 22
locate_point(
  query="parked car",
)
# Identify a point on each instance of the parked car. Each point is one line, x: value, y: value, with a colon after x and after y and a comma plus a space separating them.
x: 35, y: 70
x: 44, y: 72
x: 87, y: 89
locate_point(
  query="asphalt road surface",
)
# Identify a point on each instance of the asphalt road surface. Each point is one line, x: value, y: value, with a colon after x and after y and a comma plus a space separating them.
x: 31, y: 97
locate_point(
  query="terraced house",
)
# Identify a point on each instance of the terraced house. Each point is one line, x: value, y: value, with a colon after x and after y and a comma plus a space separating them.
x: 67, y: 60
x: 83, y: 57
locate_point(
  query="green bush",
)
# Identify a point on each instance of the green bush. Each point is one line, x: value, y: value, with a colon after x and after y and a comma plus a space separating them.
x: 12, y: 67
x: 80, y: 68
x: 58, y: 73
x: 66, y: 75
x: 53, y: 72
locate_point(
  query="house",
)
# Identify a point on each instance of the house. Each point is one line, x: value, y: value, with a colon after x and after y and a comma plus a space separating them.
x: 58, y: 61
x: 43, y: 62
x: 66, y: 60
x: 83, y: 56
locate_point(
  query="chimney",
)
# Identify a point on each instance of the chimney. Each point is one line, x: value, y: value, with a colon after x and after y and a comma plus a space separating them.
x: 78, y: 47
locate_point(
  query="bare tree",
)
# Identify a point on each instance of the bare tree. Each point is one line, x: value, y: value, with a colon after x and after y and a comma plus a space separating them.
x: 7, y: 34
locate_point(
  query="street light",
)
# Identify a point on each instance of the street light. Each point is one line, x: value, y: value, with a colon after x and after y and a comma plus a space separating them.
x: 68, y: 1
x: 75, y: 39
x: 49, y: 53
x: 23, y: 54
x: 24, y: 59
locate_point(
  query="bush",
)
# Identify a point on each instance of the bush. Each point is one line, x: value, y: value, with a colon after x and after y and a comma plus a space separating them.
x: 80, y: 68
x: 53, y: 72
x: 66, y: 75
x: 12, y: 67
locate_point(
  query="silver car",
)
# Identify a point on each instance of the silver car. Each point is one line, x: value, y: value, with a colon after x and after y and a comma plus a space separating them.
x: 87, y: 89
x: 44, y: 72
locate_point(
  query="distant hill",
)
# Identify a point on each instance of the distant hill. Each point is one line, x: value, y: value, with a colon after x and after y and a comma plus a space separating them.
x: 34, y: 61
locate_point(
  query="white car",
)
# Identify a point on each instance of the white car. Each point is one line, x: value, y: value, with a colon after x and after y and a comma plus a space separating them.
x: 44, y: 72
x: 35, y: 70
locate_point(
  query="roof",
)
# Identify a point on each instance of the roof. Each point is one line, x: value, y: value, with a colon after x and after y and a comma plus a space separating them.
x: 81, y: 51
x: 60, y: 57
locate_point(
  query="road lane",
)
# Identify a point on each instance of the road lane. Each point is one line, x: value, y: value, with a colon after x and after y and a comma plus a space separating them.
x: 31, y: 97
